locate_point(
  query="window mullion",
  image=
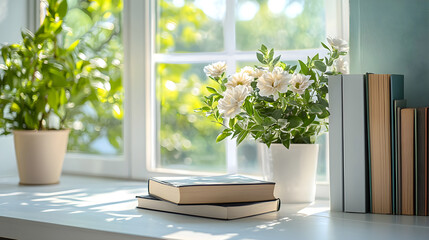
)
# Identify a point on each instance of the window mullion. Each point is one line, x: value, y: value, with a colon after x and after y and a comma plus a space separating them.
x: 230, y: 49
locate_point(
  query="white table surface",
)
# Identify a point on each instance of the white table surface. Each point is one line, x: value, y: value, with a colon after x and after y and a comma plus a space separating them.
x: 99, y: 208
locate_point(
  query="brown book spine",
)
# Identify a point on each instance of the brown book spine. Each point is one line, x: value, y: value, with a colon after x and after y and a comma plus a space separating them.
x: 407, y: 161
x: 380, y: 143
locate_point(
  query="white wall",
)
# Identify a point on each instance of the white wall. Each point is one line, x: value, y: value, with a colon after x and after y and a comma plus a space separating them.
x: 13, y: 16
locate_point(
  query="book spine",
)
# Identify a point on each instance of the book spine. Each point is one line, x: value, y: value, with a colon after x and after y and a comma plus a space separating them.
x: 380, y: 142
x: 396, y: 93
x: 421, y: 162
x: 335, y: 84
x: 407, y: 161
x: 355, y: 153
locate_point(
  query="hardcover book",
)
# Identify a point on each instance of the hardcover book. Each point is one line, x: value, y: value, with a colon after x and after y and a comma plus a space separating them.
x: 211, y: 189
x: 226, y: 211
x: 421, y: 166
x: 398, y: 105
x: 356, y: 192
x: 383, y: 89
x: 336, y: 154
x: 408, y: 154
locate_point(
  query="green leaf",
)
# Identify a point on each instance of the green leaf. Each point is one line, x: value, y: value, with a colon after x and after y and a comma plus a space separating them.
x: 277, y: 114
x: 258, y: 118
x: 73, y: 45
x: 324, y: 45
x: 62, y: 9
x: 260, y: 58
x: 309, y: 120
x: 223, y: 135
x: 257, y: 128
x: 63, y: 98
x: 316, y: 57
x: 271, y: 54
x: 294, y: 122
x: 304, y: 68
x: 29, y: 121
x: 211, y: 90
x: 263, y: 48
x: 276, y: 60
x: 320, y: 65
x: 242, y: 136
x: 307, y: 95
x: 315, y: 108
x: 248, y: 107
x: 268, y: 121
x: 286, y: 143
x: 231, y: 122
x: 53, y: 99
x: 15, y: 108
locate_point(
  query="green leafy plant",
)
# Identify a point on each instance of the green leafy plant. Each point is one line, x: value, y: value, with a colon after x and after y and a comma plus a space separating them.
x: 275, y: 102
x: 39, y: 81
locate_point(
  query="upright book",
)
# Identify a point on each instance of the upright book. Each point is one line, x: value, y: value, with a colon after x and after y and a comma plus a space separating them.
x: 421, y: 166
x: 211, y: 189
x: 408, y: 154
x: 356, y: 192
x: 226, y: 211
x: 398, y: 105
x: 336, y: 167
x: 383, y: 89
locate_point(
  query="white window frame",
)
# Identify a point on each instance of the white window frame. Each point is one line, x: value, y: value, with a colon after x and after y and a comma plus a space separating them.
x: 137, y: 162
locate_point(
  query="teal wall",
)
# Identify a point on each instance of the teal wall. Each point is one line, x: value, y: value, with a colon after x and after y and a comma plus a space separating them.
x: 392, y: 36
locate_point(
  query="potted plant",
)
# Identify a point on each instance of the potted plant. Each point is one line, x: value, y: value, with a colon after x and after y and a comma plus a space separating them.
x: 280, y: 106
x: 37, y: 84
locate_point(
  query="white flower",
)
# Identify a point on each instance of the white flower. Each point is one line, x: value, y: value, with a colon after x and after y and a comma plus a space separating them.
x: 240, y: 78
x: 341, y: 65
x: 258, y: 72
x: 248, y: 70
x: 230, y: 104
x: 299, y: 83
x: 339, y: 44
x: 215, y: 69
x: 272, y: 83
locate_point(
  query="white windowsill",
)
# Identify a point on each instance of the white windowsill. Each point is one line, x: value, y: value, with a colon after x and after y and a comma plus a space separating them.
x: 100, y: 208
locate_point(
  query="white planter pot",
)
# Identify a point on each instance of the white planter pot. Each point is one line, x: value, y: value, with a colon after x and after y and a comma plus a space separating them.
x: 40, y: 155
x: 293, y: 170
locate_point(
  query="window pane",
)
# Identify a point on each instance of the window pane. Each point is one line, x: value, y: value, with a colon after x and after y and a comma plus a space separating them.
x: 280, y: 24
x: 189, y: 26
x: 322, y: 167
x: 97, y: 125
x: 187, y: 140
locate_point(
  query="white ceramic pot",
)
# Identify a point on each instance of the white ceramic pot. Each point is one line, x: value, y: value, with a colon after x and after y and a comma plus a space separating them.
x: 293, y: 170
x: 40, y: 155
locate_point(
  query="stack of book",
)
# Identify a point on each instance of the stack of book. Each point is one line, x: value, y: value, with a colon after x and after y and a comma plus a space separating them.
x: 378, y: 147
x: 222, y: 197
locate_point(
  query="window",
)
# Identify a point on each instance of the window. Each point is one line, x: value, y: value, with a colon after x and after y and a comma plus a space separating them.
x: 97, y: 126
x: 165, y: 45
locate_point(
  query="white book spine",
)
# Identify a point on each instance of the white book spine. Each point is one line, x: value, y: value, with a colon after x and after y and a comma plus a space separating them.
x: 335, y: 84
x: 354, y: 134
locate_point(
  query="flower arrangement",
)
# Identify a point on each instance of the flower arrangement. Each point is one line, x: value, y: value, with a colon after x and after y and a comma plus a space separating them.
x: 275, y: 102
